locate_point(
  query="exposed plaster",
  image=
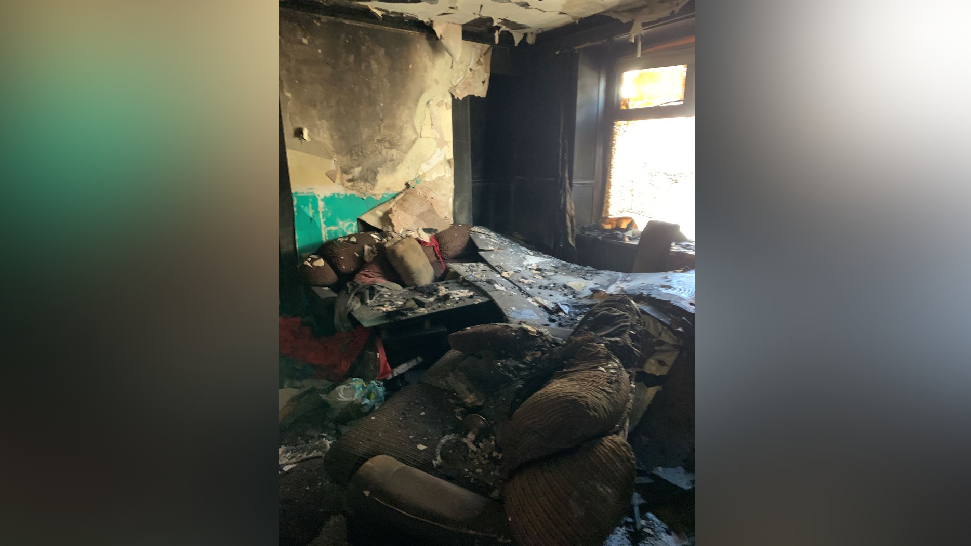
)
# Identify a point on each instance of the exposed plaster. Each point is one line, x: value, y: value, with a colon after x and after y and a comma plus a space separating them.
x: 376, y: 106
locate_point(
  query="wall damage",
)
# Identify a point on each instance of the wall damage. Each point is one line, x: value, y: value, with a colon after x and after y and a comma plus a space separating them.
x: 367, y: 114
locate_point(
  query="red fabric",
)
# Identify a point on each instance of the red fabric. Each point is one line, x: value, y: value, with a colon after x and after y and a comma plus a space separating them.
x: 333, y: 355
x: 384, y: 369
x: 433, y: 242
x: 377, y: 271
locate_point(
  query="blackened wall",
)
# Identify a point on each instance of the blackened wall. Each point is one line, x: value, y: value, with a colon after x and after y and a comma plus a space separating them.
x: 516, y: 141
x: 588, y: 155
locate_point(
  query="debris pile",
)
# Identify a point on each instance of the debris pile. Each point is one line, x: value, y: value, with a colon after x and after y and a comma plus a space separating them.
x: 511, y: 412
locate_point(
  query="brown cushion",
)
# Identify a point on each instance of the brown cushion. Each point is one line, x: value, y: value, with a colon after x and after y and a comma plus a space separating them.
x: 408, y: 259
x: 576, y: 498
x: 405, y: 502
x: 513, y: 339
x: 345, y: 254
x: 377, y: 271
x: 433, y: 260
x: 587, y: 399
x: 455, y: 242
x: 315, y: 271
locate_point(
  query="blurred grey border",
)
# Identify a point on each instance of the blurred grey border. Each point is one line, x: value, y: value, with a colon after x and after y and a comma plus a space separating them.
x: 833, y: 370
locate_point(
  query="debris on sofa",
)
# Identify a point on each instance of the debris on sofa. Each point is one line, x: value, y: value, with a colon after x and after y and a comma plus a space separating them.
x: 315, y: 271
x: 617, y: 323
x: 417, y: 415
x: 345, y: 254
x: 419, y: 301
x: 587, y: 399
x: 513, y: 414
x: 500, y: 366
x: 353, y: 296
x: 514, y: 339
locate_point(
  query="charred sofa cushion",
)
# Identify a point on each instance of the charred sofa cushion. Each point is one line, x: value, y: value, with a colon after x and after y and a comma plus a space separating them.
x: 574, y: 498
x: 618, y: 324
x: 588, y: 398
x: 403, y: 502
x: 315, y: 271
x: 345, y: 254
x: 409, y: 260
x: 513, y: 339
x: 455, y: 242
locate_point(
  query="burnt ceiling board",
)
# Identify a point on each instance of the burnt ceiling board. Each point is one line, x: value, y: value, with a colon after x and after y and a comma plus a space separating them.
x: 505, y: 22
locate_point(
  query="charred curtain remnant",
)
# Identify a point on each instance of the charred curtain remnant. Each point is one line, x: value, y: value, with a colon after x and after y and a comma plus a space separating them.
x: 563, y: 220
x: 367, y: 114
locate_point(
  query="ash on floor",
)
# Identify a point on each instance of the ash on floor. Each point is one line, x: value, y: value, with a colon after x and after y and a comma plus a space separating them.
x: 653, y: 532
x: 308, y: 500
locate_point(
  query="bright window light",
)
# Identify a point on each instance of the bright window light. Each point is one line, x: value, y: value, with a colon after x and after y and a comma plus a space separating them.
x: 652, y: 172
x: 652, y: 87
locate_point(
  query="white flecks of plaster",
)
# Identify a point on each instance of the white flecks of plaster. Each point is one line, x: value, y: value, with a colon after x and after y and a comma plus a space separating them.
x: 530, y: 38
x: 305, y: 41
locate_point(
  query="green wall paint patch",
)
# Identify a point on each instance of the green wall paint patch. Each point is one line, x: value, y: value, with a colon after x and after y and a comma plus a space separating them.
x: 319, y: 218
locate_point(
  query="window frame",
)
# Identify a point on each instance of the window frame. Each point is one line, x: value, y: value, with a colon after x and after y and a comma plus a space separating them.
x: 677, y: 56
x: 673, y: 56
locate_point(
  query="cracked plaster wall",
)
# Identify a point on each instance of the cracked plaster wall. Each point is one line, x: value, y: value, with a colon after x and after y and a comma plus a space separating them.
x: 375, y: 104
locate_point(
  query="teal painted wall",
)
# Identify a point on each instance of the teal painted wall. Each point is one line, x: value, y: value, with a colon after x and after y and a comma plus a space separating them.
x: 319, y: 218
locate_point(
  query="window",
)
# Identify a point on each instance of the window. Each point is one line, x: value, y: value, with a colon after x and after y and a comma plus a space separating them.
x: 663, y: 86
x: 651, y: 164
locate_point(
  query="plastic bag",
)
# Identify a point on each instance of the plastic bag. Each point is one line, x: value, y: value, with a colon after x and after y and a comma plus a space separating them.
x: 357, y: 394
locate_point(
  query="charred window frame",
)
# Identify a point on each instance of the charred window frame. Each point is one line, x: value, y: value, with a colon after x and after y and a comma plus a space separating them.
x: 612, y: 76
x: 674, y: 57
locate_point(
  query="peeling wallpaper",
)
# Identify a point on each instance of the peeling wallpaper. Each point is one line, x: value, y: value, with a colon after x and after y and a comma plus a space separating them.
x: 512, y: 14
x: 366, y: 114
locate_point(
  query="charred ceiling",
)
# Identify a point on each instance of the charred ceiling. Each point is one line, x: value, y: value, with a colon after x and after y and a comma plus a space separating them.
x: 502, y: 22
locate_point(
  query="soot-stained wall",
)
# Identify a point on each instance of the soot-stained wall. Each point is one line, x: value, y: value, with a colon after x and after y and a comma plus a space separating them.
x: 516, y: 158
x: 375, y: 106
